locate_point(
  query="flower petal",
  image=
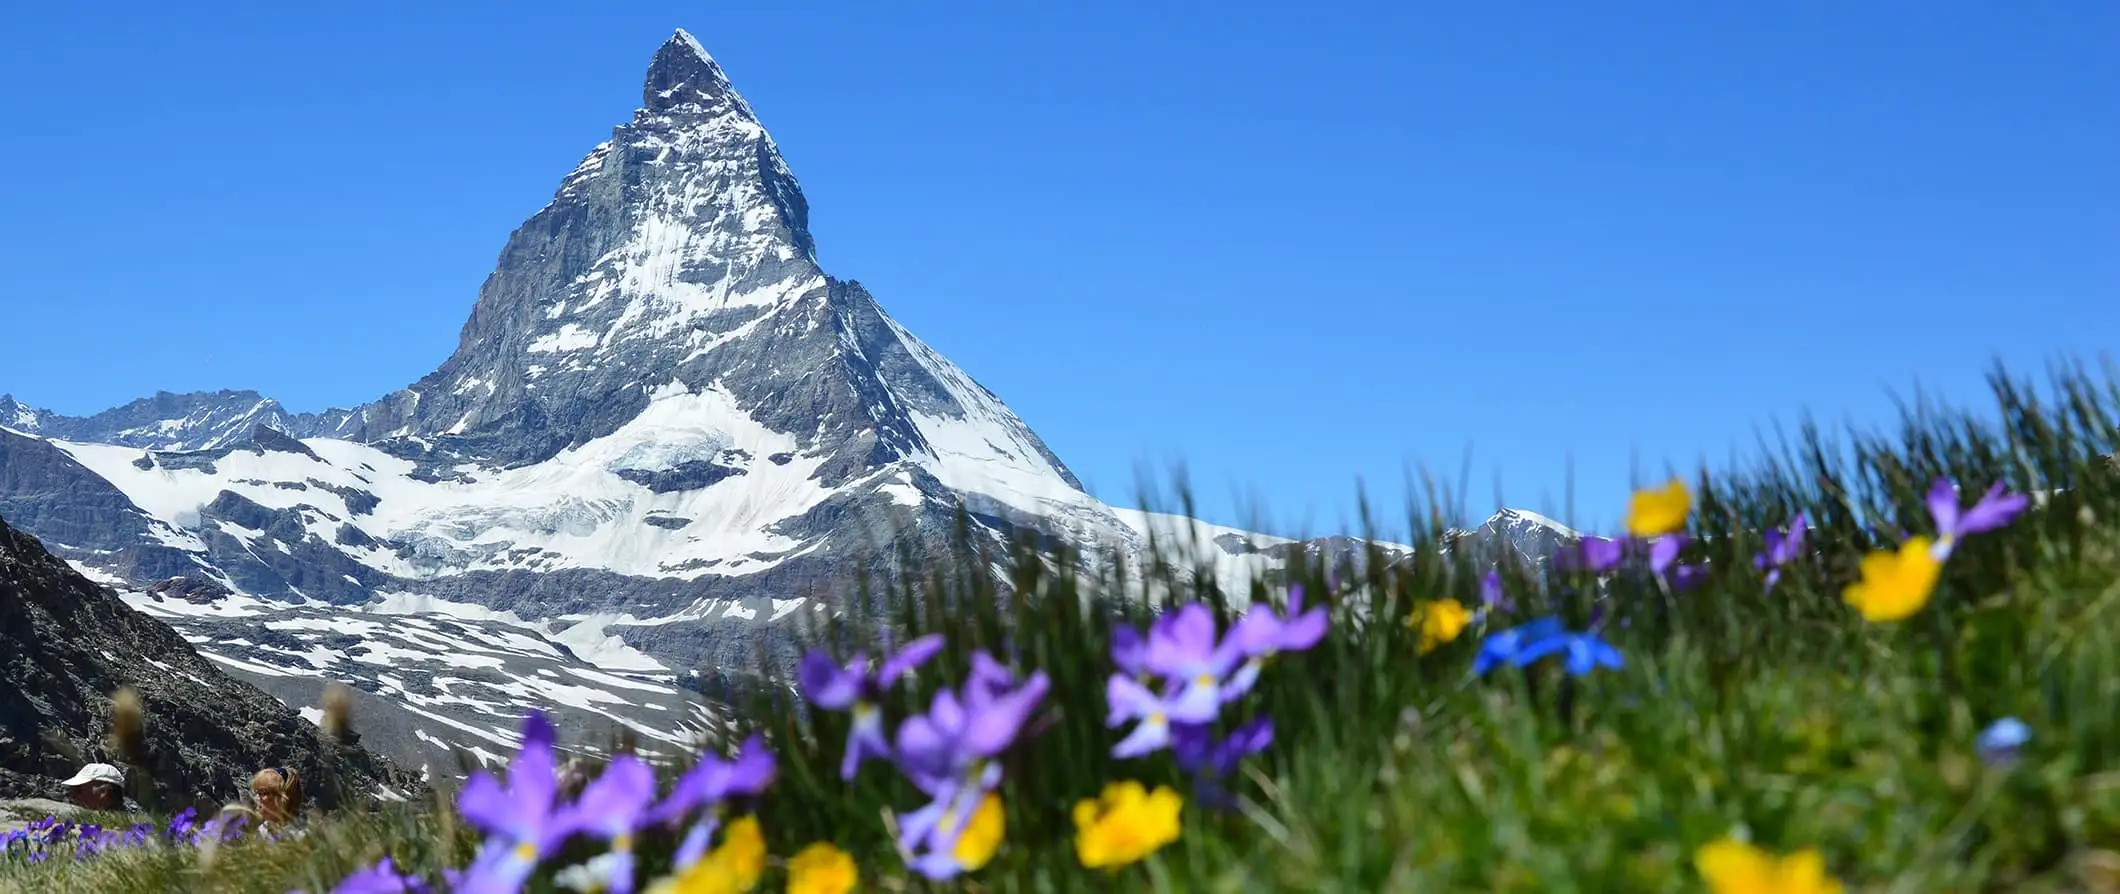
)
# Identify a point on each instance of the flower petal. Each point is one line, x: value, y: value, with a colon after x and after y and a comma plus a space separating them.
x: 1181, y: 642
x: 913, y: 655
x: 1152, y: 733
x: 1664, y: 550
x: 1943, y: 507
x: 1128, y: 699
x: 1994, y: 510
x: 825, y: 683
x: 1129, y: 650
x: 614, y: 802
x: 991, y: 731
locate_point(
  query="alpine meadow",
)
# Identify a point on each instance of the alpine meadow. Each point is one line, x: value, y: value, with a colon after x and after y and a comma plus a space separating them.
x: 693, y: 571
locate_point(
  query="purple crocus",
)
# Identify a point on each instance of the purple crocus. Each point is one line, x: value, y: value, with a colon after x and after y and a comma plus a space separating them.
x: 518, y: 819
x: 1781, y: 550
x: 860, y: 687
x: 1993, y: 510
x: 612, y: 808
x: 705, y: 786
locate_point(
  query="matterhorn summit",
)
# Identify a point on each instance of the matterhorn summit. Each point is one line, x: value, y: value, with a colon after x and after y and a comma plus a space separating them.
x: 664, y: 430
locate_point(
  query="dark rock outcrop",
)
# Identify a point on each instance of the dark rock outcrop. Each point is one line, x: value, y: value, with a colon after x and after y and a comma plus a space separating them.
x: 67, y: 644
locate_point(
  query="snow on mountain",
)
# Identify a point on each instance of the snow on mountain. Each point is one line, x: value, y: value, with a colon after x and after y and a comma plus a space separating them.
x: 447, y: 675
x: 1521, y: 534
x: 665, y: 435
x: 174, y: 422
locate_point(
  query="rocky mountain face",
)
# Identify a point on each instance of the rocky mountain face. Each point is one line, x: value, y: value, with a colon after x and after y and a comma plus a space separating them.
x: 67, y: 644
x: 1514, y: 534
x: 665, y: 435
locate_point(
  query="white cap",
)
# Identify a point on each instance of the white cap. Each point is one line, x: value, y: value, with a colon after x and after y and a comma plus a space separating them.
x: 97, y: 773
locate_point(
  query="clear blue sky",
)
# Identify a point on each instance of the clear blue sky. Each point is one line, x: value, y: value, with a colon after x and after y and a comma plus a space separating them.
x: 1288, y: 244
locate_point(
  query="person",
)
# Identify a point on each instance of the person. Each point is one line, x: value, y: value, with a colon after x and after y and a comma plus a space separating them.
x: 278, y: 794
x: 100, y: 787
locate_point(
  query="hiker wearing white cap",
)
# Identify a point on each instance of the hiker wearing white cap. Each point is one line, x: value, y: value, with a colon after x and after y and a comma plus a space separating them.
x: 100, y: 787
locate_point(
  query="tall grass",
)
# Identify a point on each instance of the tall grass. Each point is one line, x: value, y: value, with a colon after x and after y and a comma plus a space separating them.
x: 1781, y: 716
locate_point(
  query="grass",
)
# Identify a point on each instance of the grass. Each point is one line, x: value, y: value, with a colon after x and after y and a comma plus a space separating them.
x: 1782, y: 716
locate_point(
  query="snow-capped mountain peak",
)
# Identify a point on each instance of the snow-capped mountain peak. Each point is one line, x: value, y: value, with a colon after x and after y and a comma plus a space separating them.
x: 663, y: 423
x: 685, y: 74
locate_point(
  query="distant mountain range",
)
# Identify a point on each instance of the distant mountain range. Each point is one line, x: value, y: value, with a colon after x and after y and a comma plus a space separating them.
x: 664, y: 429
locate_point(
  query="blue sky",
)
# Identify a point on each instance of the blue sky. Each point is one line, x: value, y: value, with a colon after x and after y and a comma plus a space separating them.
x: 1288, y: 245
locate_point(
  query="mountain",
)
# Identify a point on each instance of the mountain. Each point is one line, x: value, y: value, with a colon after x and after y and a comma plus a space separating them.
x: 665, y: 436
x: 1514, y: 533
x: 175, y: 422
x: 66, y: 645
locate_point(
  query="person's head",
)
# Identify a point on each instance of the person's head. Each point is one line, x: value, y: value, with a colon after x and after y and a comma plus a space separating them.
x: 97, y: 787
x: 278, y: 793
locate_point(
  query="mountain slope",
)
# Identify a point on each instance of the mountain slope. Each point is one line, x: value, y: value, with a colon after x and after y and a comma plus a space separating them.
x: 664, y: 431
x: 67, y: 644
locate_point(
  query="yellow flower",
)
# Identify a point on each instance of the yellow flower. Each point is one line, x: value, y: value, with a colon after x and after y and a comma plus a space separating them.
x: 981, y: 836
x: 1895, y: 585
x: 1733, y: 867
x: 821, y: 869
x: 732, y: 867
x: 1657, y: 511
x: 1440, y: 622
x: 1126, y: 824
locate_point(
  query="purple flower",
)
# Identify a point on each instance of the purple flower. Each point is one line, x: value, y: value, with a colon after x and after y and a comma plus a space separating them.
x: 612, y: 808
x: 382, y: 878
x: 861, y: 687
x: 1781, y: 550
x: 989, y: 679
x: 1597, y: 555
x: 1492, y: 597
x: 1182, y: 647
x: 1130, y: 651
x: 1663, y: 562
x: 707, y: 785
x: 927, y: 838
x: 957, y: 736
x: 1198, y: 752
x: 518, y: 819
x: 1993, y: 510
x: 1129, y: 699
x: 1210, y: 761
x: 1260, y: 635
x: 949, y: 754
